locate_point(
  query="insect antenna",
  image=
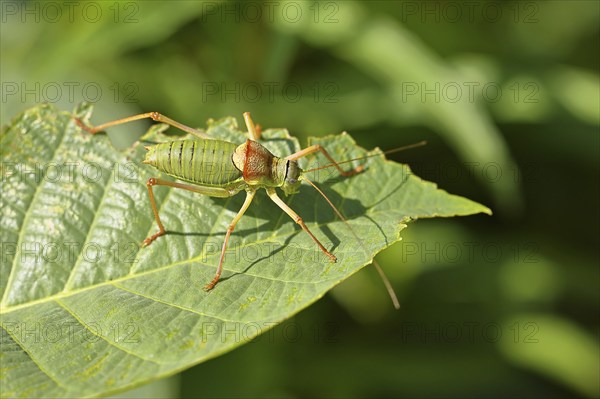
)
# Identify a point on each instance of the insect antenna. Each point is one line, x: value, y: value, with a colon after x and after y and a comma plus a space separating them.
x: 393, y: 150
x: 386, y: 281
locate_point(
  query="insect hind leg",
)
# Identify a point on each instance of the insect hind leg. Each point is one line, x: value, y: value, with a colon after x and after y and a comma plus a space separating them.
x: 210, y: 191
x: 161, y: 228
x: 158, y: 117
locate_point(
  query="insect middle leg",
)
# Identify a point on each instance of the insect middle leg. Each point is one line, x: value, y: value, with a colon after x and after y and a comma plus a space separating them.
x: 314, y: 148
x: 249, y: 197
x: 275, y: 198
x: 254, y: 131
x: 152, y: 115
x: 210, y: 191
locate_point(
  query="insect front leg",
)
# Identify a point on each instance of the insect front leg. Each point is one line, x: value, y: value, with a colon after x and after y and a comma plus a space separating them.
x: 152, y: 115
x: 210, y: 191
x: 275, y: 198
x: 314, y: 148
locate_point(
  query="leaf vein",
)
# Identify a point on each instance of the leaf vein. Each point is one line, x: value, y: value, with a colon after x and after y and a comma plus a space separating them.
x: 119, y: 286
x: 97, y: 215
x: 28, y: 214
x: 38, y: 365
x: 113, y: 344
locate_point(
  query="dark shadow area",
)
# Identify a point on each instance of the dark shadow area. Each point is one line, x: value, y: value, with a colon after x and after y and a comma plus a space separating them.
x: 273, y: 253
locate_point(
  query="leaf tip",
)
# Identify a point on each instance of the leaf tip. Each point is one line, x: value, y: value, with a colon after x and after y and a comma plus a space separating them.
x: 83, y: 111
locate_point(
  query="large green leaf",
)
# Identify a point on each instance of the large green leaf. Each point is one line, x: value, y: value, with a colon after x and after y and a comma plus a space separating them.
x: 86, y: 311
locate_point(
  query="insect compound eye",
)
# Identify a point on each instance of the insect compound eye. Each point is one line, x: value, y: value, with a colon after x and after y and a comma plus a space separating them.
x: 292, y: 181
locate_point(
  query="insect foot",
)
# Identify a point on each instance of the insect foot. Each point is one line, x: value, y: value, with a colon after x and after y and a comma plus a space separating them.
x: 150, y: 239
x: 358, y: 169
x: 211, y: 285
x: 84, y: 126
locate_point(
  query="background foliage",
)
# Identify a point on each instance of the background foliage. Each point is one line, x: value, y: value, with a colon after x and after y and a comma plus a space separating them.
x: 491, y: 305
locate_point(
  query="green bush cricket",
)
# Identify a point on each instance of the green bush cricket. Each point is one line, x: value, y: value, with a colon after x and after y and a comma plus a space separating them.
x: 219, y: 168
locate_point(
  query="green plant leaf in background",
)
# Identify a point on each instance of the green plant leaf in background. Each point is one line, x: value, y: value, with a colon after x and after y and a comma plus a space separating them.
x: 85, y: 311
x: 379, y: 46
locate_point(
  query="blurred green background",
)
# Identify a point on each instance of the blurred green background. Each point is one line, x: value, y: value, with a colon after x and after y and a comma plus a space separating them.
x: 507, y: 96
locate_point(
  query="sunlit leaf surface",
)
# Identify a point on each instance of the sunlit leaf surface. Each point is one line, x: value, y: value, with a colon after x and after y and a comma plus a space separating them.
x: 86, y: 311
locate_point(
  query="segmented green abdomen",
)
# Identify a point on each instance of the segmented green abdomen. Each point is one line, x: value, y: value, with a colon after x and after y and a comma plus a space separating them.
x: 206, y: 162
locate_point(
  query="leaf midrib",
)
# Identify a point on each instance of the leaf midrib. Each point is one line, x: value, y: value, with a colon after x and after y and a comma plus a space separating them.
x: 66, y: 294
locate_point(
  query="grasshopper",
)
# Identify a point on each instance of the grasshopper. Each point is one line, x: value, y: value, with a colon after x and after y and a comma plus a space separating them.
x: 232, y: 168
